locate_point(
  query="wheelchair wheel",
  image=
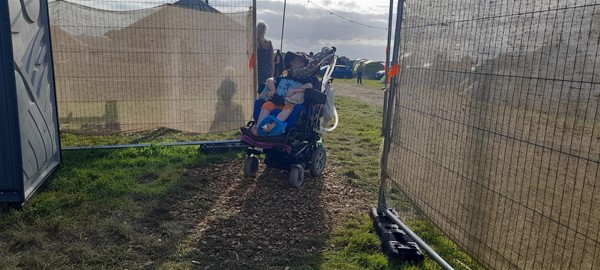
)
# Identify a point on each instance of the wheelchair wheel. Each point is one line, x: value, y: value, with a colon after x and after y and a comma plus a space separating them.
x: 269, y: 162
x: 250, y: 166
x: 318, y: 159
x: 296, y: 175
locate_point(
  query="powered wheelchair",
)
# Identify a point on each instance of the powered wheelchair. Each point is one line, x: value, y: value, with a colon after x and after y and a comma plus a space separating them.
x: 300, y: 146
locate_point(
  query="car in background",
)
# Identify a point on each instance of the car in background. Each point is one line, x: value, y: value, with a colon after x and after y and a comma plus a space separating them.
x: 339, y: 71
x: 379, y: 74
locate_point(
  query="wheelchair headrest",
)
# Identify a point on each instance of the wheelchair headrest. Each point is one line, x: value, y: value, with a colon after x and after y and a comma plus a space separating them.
x: 313, y: 63
x: 289, y: 56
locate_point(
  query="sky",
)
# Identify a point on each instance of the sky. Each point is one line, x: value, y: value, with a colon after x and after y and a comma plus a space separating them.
x: 309, y: 24
x: 309, y: 28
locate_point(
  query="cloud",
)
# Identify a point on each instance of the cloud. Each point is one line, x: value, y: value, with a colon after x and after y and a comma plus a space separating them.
x: 354, y: 6
x: 308, y: 28
x: 356, y: 41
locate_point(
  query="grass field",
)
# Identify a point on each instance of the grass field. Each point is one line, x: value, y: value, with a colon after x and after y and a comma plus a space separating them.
x: 161, y: 208
x: 375, y: 84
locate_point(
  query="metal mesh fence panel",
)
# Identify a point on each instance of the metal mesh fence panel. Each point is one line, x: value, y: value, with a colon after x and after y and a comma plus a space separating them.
x: 496, y: 130
x: 182, y: 66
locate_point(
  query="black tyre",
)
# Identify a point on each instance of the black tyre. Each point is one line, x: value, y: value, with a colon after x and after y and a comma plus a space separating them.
x: 269, y: 162
x: 16, y: 206
x: 250, y: 166
x: 318, y: 160
x: 296, y: 175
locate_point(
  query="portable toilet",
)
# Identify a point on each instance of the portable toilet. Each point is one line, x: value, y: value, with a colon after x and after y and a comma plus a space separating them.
x: 29, y: 135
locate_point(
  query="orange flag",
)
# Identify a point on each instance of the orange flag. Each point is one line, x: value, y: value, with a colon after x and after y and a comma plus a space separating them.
x: 394, y: 71
x: 251, y: 61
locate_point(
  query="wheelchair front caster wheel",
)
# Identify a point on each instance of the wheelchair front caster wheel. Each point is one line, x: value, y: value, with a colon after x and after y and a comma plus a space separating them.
x: 250, y: 166
x: 296, y: 175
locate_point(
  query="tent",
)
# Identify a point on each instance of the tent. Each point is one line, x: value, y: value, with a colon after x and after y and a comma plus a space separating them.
x: 371, y: 67
x: 167, y: 66
x: 200, y: 5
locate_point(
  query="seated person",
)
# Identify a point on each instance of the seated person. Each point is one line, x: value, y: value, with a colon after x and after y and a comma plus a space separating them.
x: 288, y: 92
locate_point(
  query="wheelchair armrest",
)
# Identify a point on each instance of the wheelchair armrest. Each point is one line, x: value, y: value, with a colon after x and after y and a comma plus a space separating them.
x: 315, y: 96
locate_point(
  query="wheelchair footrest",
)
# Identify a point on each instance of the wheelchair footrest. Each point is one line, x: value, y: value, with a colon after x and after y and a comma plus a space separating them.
x: 395, y: 243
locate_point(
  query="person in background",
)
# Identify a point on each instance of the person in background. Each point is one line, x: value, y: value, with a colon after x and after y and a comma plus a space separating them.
x: 278, y: 63
x: 264, y: 53
x: 359, y: 72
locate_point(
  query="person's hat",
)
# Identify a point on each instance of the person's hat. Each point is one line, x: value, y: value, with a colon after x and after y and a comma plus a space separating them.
x: 289, y: 56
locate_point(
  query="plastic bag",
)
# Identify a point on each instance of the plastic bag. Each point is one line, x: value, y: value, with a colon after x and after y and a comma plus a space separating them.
x: 329, y: 106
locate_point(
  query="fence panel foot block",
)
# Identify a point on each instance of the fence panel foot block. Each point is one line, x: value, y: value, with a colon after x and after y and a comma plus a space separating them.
x: 395, y: 243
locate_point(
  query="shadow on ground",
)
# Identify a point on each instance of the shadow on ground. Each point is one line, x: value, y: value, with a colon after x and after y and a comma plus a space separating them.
x: 263, y: 223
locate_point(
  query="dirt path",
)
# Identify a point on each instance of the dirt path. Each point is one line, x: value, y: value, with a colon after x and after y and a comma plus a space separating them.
x: 364, y: 93
x: 263, y: 223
